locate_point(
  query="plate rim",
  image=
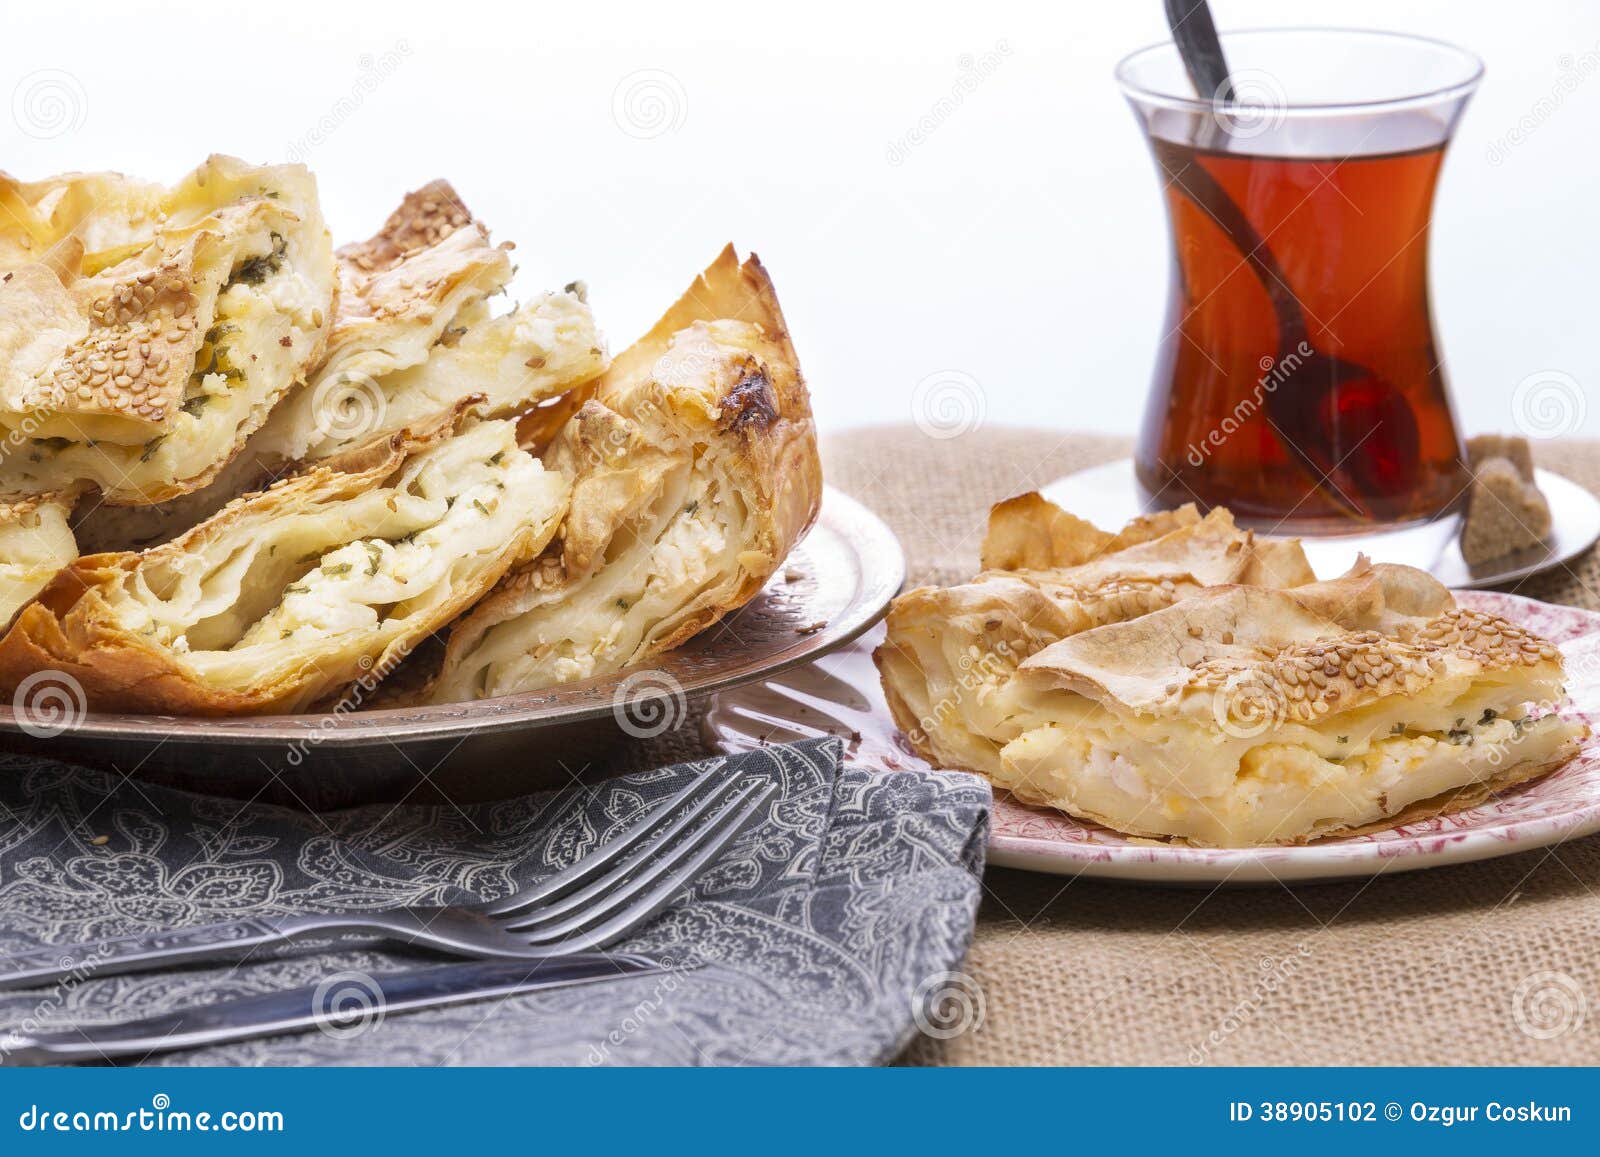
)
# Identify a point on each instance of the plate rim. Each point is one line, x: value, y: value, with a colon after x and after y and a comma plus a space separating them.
x: 883, y: 573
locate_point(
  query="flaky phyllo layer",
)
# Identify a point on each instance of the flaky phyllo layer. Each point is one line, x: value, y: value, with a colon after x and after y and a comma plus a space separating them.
x: 35, y: 542
x: 950, y: 661
x: 1235, y: 714
x: 1254, y: 716
x: 287, y: 598
x: 146, y: 332
x: 695, y: 472
x: 290, y: 464
x: 413, y: 334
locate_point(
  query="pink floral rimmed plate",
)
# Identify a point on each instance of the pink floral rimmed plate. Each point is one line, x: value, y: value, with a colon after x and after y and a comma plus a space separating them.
x: 839, y: 694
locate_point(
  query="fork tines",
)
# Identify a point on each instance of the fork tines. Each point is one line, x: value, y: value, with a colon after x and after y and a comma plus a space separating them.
x: 610, y: 892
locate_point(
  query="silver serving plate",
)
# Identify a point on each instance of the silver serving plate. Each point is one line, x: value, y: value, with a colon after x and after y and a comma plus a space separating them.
x: 1108, y: 495
x: 833, y: 586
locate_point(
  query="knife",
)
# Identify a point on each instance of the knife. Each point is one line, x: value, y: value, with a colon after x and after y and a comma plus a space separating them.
x: 342, y: 1004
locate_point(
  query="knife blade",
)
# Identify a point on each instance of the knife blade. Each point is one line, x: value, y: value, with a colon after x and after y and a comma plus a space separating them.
x: 340, y: 1003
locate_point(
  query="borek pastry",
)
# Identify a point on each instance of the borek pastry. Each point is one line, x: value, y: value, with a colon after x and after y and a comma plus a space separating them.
x: 950, y: 660
x: 147, y: 332
x: 1247, y: 715
x: 287, y: 598
x: 412, y: 335
x: 695, y: 472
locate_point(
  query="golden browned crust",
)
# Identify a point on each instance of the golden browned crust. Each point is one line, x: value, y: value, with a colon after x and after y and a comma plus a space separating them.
x: 412, y: 332
x: 1330, y: 647
x: 413, y: 325
x: 15, y: 507
x: 409, y: 268
x: 145, y: 331
x: 426, y: 216
x: 133, y: 360
x: 1029, y: 532
x: 944, y: 643
x: 949, y: 663
x: 71, y: 628
x: 74, y: 627
x: 713, y: 392
x: 1241, y: 714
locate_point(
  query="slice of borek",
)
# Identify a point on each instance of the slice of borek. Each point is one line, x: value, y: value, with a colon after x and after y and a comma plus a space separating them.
x: 146, y: 332
x: 1247, y: 715
x: 412, y: 335
x: 949, y: 661
x: 291, y: 598
x: 696, y: 471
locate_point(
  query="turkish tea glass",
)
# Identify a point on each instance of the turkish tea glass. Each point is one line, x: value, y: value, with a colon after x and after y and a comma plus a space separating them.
x: 1299, y: 380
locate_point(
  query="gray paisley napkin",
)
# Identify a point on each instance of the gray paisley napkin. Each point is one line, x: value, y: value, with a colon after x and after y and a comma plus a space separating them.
x: 812, y: 941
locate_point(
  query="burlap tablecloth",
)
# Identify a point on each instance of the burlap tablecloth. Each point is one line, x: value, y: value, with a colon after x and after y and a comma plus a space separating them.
x: 1420, y: 968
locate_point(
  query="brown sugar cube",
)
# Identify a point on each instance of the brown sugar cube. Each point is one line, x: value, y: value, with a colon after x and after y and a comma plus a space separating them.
x: 1508, y: 446
x: 1505, y: 512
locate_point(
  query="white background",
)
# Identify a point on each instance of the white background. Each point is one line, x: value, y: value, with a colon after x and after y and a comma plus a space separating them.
x: 1021, y: 244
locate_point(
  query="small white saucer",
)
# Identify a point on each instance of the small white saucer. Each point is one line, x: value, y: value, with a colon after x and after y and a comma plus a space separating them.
x: 1108, y: 496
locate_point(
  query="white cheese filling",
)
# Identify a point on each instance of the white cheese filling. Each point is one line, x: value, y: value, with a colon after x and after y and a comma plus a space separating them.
x: 348, y: 576
x: 1164, y: 779
x: 657, y: 567
x: 33, y: 547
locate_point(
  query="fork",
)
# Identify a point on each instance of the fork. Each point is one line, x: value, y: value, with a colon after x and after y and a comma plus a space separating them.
x: 595, y: 902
